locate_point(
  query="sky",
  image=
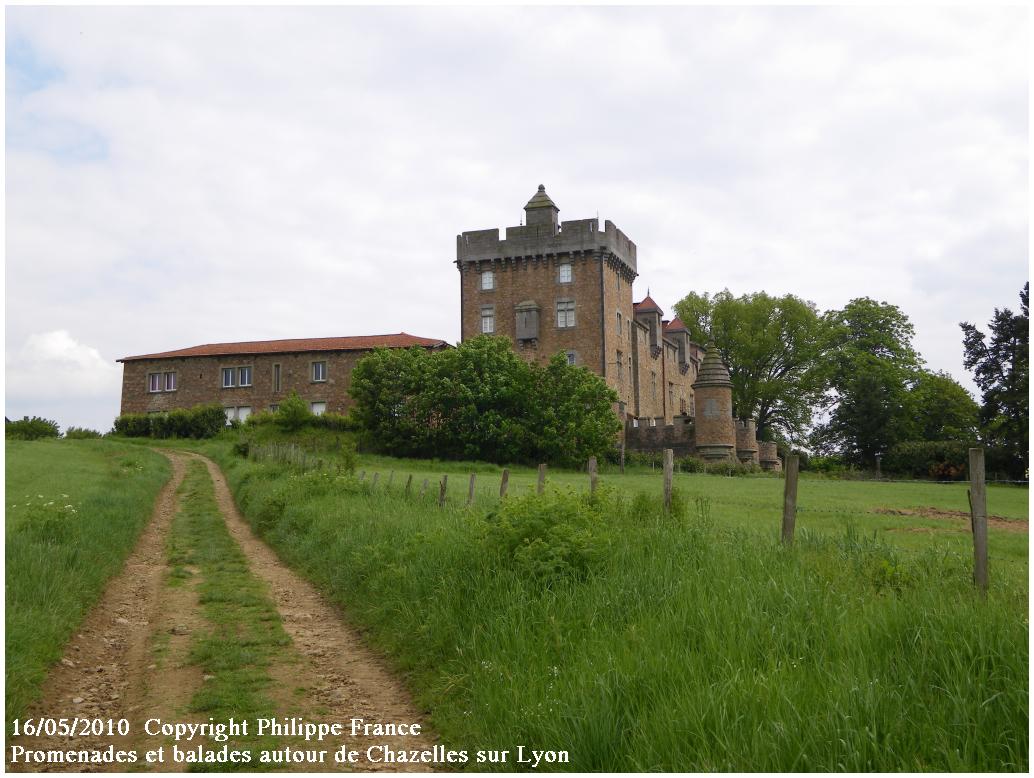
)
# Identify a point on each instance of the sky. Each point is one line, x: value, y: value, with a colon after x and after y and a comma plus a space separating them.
x: 179, y: 176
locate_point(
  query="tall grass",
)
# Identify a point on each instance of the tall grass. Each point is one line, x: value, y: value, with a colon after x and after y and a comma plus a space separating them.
x: 74, y: 511
x: 689, y: 645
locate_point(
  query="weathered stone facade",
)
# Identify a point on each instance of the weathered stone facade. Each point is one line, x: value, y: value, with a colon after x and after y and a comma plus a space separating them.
x: 319, y: 370
x: 567, y: 287
x: 552, y: 286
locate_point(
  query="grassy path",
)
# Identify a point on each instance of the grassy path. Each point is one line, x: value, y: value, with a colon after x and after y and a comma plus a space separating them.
x: 204, y: 623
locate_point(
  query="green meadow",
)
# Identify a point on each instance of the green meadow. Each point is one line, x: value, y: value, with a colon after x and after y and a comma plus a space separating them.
x: 74, y: 509
x: 639, y: 640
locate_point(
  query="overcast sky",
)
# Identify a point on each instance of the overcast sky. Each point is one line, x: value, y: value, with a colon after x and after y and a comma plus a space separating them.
x: 178, y: 176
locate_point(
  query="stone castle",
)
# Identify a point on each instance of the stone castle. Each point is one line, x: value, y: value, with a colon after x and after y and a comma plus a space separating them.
x: 552, y: 286
x: 549, y: 287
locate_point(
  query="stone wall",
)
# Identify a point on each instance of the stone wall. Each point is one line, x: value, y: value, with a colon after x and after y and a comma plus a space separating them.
x: 199, y: 381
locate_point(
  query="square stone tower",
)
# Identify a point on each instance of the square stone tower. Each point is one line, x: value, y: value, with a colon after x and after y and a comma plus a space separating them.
x: 552, y: 286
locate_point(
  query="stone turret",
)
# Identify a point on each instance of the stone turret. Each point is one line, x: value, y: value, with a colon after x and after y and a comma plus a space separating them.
x: 747, y: 441
x: 769, y: 457
x: 715, y: 426
x: 542, y: 211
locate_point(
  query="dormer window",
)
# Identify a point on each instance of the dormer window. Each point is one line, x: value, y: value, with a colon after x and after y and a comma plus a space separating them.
x: 487, y: 280
x: 564, y: 273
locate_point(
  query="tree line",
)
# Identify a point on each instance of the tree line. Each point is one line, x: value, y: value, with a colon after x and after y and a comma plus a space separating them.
x: 850, y: 384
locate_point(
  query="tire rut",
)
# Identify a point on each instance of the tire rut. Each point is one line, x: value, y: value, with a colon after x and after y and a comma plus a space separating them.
x: 342, y: 678
x: 104, y: 672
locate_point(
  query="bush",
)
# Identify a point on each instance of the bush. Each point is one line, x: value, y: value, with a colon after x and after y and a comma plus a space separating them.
x: 81, y: 433
x: 31, y: 429
x: 730, y: 468
x: 548, y: 536
x: 943, y: 460
x: 201, y: 421
x: 293, y: 414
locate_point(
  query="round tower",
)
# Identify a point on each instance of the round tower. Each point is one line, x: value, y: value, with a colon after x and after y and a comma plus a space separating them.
x: 715, y: 426
x: 747, y: 441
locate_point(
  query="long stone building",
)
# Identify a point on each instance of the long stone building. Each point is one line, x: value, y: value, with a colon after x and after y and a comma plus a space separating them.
x: 253, y: 376
x: 546, y: 285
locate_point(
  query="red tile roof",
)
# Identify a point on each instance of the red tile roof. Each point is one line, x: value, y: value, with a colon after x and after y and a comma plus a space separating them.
x: 676, y: 325
x: 647, y: 304
x: 350, y: 343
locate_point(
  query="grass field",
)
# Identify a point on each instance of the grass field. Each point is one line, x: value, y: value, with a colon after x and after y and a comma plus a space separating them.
x: 74, y: 509
x: 687, y: 642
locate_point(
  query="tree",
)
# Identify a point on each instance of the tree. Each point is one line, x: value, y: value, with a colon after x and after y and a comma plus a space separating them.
x: 941, y: 409
x: 482, y: 401
x: 773, y: 347
x: 869, y: 368
x: 1001, y: 369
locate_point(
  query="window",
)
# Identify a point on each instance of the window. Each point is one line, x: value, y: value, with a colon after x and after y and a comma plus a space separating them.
x: 488, y: 319
x: 244, y: 376
x: 565, y: 313
x: 671, y: 395
x: 228, y: 375
x: 572, y: 357
x: 620, y: 331
x: 274, y: 407
x: 487, y: 280
x: 635, y: 423
x: 319, y: 371
x: 240, y: 413
x: 653, y: 385
x: 564, y: 273
x: 621, y: 367
x: 276, y: 377
x: 318, y: 409
x: 161, y: 382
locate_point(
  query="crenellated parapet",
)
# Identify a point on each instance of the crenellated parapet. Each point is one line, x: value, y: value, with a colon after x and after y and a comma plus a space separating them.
x: 579, y: 237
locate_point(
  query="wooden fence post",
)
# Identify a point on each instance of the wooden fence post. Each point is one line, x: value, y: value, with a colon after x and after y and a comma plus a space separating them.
x: 504, y: 483
x: 592, y: 476
x: 542, y: 479
x: 622, y: 456
x: 669, y: 467
x: 423, y: 489
x: 391, y: 477
x: 373, y: 484
x: 790, y: 498
x: 978, y: 514
x: 470, y: 491
x: 409, y: 483
x: 441, y: 490
x: 362, y: 475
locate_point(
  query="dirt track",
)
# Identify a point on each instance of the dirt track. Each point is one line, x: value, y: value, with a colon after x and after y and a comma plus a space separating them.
x: 128, y: 660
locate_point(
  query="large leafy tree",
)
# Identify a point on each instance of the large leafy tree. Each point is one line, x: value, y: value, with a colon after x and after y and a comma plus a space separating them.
x: 940, y: 408
x: 773, y: 347
x: 482, y: 401
x: 870, y: 368
x: 1001, y: 368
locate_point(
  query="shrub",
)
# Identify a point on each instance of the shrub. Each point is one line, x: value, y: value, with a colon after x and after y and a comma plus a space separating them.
x: 201, y: 421
x: 81, y: 433
x: 133, y: 425
x: 548, y: 536
x: 31, y: 429
x: 730, y: 468
x: 293, y: 413
x: 944, y: 460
